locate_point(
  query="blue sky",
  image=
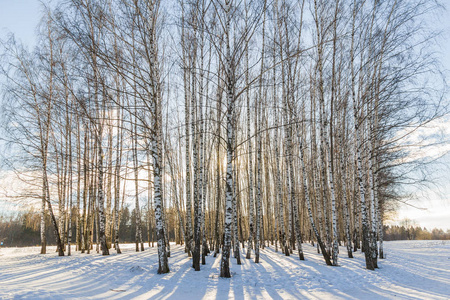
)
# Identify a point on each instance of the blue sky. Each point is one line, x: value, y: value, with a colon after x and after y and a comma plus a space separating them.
x: 22, y: 16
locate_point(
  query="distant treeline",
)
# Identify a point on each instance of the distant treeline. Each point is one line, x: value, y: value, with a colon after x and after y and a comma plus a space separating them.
x: 393, y: 233
x: 22, y: 229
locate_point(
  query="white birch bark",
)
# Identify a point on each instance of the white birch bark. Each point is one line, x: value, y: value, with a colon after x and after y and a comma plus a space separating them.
x: 78, y: 205
x: 373, y: 199
x: 279, y: 200
x: 237, y: 253
x: 69, y: 225
x: 308, y: 202
x: 138, y: 234
x: 202, y: 136
x: 345, y: 199
x: 218, y: 167
x: 187, y: 112
x: 358, y: 145
x: 229, y: 72
x: 85, y: 191
x: 195, y: 158
x: 155, y: 136
x: 289, y: 230
x: 258, y: 127
x: 258, y: 181
x: 293, y: 199
x: 42, y: 225
x: 251, y: 234
x: 117, y: 201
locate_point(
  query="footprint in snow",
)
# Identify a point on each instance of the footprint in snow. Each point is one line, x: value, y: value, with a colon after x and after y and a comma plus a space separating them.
x: 136, y: 269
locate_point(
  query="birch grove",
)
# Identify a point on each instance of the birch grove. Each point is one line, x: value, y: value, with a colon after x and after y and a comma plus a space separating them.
x: 226, y: 126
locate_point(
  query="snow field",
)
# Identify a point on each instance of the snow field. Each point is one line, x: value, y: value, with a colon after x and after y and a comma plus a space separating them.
x: 412, y: 270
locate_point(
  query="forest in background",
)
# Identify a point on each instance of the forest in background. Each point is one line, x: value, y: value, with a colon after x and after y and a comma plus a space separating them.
x: 265, y: 122
x: 23, y: 230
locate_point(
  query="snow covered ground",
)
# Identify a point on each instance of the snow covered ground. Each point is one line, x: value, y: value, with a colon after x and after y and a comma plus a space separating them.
x: 412, y: 270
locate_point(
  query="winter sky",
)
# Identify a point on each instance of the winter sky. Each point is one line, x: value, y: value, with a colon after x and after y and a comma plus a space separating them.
x: 21, y: 17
